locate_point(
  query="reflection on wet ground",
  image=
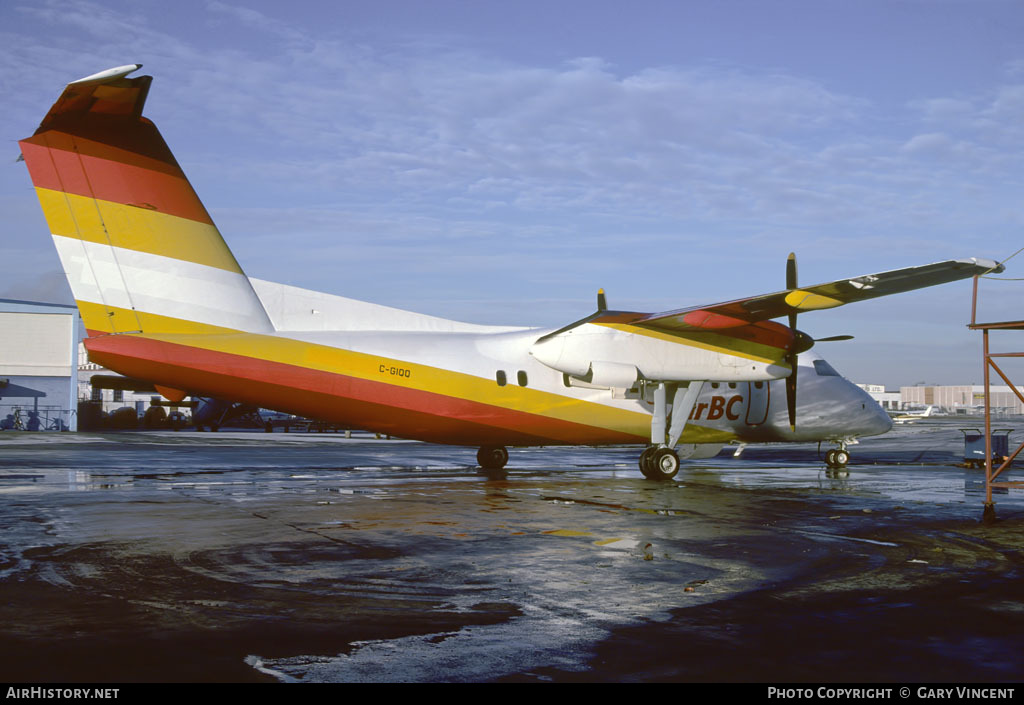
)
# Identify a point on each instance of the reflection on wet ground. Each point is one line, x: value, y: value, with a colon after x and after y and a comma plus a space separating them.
x: 163, y: 556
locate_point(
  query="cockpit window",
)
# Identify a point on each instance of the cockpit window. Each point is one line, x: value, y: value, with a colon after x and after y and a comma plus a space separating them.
x: 824, y: 369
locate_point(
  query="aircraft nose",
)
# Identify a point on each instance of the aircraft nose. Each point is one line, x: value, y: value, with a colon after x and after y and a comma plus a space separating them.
x: 878, y: 421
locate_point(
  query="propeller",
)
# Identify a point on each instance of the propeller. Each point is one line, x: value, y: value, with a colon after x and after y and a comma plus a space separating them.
x: 801, y: 342
x: 791, y: 356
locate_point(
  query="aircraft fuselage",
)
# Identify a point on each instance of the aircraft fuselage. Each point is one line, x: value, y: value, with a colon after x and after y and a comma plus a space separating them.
x: 471, y: 388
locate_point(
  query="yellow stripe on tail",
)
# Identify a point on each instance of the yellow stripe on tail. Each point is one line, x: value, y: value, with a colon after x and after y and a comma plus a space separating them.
x: 138, y: 247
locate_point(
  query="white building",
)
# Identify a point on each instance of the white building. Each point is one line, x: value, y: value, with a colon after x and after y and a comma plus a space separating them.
x: 887, y: 400
x: 962, y: 399
x: 38, y: 345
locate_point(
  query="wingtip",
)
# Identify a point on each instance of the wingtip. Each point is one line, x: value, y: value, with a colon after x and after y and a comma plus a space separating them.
x: 990, y: 266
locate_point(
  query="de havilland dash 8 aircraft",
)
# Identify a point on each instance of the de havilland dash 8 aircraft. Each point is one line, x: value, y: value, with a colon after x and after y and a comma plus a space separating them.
x: 164, y: 300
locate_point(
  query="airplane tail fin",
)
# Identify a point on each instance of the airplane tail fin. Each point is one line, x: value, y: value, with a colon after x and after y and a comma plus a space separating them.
x: 138, y: 247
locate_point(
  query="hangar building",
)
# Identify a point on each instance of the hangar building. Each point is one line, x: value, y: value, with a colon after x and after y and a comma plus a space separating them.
x: 38, y: 366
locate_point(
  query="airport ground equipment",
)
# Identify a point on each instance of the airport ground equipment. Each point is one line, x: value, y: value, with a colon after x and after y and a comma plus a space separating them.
x: 975, y: 445
x: 989, y: 361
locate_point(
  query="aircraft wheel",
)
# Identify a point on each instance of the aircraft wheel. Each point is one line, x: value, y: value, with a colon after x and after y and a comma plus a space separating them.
x: 492, y: 457
x: 662, y: 464
x: 645, y: 461
x: 837, y: 458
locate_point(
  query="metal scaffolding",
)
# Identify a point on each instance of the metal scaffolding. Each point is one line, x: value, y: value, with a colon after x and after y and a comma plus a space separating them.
x: 989, y: 361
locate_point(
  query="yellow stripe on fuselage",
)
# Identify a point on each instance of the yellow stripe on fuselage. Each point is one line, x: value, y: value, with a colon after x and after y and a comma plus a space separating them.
x: 383, y: 369
x: 759, y: 352
x: 410, y: 375
x: 135, y: 228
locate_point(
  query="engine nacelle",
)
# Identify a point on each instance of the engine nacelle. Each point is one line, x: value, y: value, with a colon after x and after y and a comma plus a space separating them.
x: 590, y: 353
x: 551, y: 352
x: 609, y: 375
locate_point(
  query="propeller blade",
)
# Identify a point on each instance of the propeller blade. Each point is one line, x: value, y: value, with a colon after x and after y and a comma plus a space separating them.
x: 791, y: 283
x: 791, y: 393
x: 833, y: 338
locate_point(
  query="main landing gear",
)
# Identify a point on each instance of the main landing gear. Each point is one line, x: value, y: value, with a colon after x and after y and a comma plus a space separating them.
x: 659, y: 463
x: 492, y: 457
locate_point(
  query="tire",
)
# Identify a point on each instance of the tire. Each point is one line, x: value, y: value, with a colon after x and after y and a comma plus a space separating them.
x: 645, y: 459
x: 662, y: 464
x: 837, y: 458
x: 492, y: 457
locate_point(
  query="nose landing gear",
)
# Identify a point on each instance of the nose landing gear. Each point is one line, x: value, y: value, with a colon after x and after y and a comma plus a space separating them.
x: 837, y: 458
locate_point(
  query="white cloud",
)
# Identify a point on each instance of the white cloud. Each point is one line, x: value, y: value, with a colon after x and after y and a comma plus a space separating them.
x: 932, y: 144
x: 550, y: 172
x: 945, y: 110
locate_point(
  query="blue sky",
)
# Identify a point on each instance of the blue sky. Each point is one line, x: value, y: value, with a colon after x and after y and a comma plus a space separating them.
x: 501, y: 161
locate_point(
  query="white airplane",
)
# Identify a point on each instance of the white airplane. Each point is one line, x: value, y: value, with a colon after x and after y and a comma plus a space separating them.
x: 164, y: 300
x: 902, y: 417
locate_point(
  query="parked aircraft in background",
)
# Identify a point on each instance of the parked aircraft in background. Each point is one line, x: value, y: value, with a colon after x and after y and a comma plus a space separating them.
x: 163, y: 299
x: 910, y: 416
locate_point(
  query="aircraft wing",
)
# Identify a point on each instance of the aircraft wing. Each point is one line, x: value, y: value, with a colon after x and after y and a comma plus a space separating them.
x: 812, y: 298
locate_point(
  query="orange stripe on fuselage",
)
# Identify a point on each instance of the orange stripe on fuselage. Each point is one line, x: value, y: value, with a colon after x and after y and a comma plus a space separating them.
x: 342, y: 399
x: 397, y: 372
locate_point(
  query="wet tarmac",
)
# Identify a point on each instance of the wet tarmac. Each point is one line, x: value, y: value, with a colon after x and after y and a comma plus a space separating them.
x: 236, y: 556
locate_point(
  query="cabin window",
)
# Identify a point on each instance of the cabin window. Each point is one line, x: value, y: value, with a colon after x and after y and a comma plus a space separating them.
x: 758, y: 385
x: 502, y: 378
x: 714, y: 385
x: 732, y: 385
x: 521, y: 378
